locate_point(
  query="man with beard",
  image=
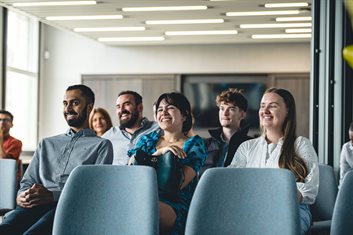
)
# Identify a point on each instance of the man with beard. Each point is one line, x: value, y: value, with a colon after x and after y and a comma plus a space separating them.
x: 52, y: 163
x: 225, y: 140
x: 132, y: 125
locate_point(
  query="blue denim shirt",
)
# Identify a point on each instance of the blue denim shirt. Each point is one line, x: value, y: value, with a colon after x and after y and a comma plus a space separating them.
x: 55, y: 158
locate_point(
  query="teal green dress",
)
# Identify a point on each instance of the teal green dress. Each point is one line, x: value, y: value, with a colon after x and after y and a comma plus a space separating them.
x: 196, y: 152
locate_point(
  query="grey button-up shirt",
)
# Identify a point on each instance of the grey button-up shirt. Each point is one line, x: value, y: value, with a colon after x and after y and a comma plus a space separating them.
x: 123, y: 141
x: 55, y: 158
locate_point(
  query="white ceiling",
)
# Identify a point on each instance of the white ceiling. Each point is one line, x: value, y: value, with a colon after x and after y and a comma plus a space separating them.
x: 216, y: 10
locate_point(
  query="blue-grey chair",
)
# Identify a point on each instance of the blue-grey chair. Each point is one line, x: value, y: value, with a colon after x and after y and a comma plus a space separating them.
x: 7, y: 185
x: 244, y: 201
x: 322, y: 209
x: 342, y: 218
x: 106, y: 199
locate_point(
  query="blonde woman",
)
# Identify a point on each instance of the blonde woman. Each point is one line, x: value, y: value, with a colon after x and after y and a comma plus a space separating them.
x: 100, y: 121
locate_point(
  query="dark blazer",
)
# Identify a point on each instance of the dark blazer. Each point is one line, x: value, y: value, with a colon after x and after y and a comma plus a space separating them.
x: 218, y: 149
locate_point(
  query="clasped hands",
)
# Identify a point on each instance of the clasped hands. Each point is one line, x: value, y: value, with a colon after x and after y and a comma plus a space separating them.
x: 34, y: 196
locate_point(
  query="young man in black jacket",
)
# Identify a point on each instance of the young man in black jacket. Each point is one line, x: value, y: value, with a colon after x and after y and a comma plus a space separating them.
x: 225, y: 140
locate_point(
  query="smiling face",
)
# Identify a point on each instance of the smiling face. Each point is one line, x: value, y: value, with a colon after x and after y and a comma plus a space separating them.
x: 127, y: 111
x: 169, y: 117
x: 5, y: 124
x: 273, y: 112
x: 76, y: 109
x: 99, y: 124
x: 230, y: 115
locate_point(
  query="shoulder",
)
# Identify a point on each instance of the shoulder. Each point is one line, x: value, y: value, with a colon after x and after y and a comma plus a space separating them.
x: 253, y: 142
x: 346, y: 145
x: 302, y: 141
x: 13, y: 140
x: 151, y: 136
x: 195, y: 141
x: 304, y: 148
x: 113, y: 131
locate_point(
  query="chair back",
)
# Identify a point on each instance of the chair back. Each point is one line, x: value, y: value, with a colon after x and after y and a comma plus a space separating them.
x: 107, y: 199
x: 322, y: 209
x: 244, y: 201
x: 342, y: 218
x: 7, y: 184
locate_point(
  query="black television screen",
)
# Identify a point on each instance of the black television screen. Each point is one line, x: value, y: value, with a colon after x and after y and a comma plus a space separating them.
x: 202, y: 95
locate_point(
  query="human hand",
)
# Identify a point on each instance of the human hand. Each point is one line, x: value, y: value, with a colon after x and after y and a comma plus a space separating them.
x: 131, y: 160
x: 176, y: 150
x: 34, y: 196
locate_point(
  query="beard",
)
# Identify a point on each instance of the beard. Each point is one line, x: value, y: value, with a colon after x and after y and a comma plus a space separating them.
x: 131, y: 122
x: 78, y: 121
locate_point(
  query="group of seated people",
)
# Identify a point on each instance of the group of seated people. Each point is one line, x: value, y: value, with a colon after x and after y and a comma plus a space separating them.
x: 229, y: 146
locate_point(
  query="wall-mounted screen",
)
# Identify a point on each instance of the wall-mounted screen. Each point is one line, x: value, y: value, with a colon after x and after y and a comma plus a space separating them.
x: 202, y: 90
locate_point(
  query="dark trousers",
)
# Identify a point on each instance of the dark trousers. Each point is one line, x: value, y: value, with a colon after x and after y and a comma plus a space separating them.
x: 29, y: 221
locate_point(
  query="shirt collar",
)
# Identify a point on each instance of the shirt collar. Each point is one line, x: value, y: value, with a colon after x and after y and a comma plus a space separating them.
x: 82, y: 132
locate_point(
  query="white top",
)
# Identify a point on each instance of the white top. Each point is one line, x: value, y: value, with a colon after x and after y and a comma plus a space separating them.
x: 346, y: 159
x: 257, y: 153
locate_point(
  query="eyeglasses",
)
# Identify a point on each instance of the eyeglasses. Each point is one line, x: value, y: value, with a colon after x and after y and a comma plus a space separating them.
x: 5, y: 120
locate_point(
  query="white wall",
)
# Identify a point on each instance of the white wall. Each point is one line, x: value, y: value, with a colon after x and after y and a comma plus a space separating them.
x: 71, y: 55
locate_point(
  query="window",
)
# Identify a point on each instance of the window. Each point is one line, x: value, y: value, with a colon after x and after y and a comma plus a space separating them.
x: 21, y: 84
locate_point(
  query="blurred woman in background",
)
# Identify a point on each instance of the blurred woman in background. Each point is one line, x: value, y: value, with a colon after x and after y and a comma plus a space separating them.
x: 100, y: 121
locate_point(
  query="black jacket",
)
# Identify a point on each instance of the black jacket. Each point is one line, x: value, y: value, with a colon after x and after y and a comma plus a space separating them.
x: 215, y: 146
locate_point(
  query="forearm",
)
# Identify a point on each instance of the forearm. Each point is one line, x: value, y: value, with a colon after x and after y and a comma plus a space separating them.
x: 189, y: 175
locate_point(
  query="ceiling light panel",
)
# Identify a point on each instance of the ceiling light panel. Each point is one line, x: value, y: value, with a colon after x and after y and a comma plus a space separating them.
x: 287, y: 19
x: 130, y: 39
x: 110, y: 29
x: 290, y: 4
x: 53, y: 3
x: 262, y: 13
x: 206, y: 32
x: 279, y: 25
x: 82, y: 17
x: 298, y: 30
x: 272, y: 36
x: 167, y: 8
x: 193, y: 21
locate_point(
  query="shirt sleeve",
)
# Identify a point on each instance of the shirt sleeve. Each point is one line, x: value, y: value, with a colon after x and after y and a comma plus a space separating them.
x: 239, y: 159
x: 309, y: 188
x: 14, y: 149
x: 196, y: 153
x: 105, y: 153
x: 344, y: 165
x: 31, y: 175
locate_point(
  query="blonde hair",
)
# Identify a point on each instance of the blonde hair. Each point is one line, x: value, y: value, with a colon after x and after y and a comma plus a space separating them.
x: 105, y: 115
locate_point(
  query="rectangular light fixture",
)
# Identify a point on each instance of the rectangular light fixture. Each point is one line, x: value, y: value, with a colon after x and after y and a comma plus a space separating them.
x: 131, y: 39
x: 169, y: 8
x: 206, y: 32
x: 195, y: 21
x: 262, y: 13
x: 59, y: 3
x: 278, y: 25
x: 273, y: 36
x: 308, y: 30
x: 91, y: 17
x: 283, y: 19
x: 290, y: 4
x: 109, y: 29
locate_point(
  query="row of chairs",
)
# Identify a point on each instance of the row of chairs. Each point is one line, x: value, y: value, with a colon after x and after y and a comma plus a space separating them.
x: 124, y: 200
